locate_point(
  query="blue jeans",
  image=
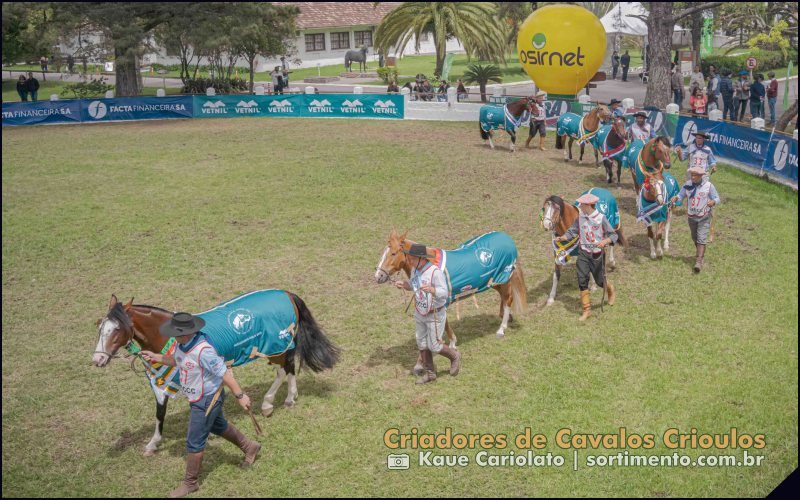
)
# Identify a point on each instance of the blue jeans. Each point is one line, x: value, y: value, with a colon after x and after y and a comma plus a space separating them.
x: 201, y: 426
x: 755, y: 109
x: 772, y: 101
x: 677, y: 97
x: 34, y: 95
x: 728, y: 109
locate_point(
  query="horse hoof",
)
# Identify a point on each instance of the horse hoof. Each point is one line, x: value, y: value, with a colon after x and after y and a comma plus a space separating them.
x: 289, y: 404
x: 149, y: 453
x: 453, y: 346
x: 550, y: 302
x: 267, y: 412
x: 653, y: 256
x: 500, y: 335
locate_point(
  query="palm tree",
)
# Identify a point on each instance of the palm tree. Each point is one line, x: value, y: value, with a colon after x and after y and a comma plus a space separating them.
x: 474, y: 24
x: 477, y: 73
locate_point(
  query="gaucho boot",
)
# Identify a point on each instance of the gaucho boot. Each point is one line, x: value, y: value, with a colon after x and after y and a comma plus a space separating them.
x: 430, y: 370
x: 541, y: 144
x: 189, y: 484
x: 250, y: 448
x: 612, y: 293
x: 698, y: 261
x: 586, y: 302
x: 454, y: 357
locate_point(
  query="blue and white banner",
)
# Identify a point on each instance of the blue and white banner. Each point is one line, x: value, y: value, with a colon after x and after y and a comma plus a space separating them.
x: 136, y: 108
x: 35, y: 113
x: 776, y: 154
x: 301, y: 105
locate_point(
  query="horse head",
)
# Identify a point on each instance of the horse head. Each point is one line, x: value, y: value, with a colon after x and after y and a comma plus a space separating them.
x: 660, y: 149
x: 618, y: 127
x: 115, y: 330
x: 655, y: 189
x: 551, y: 212
x: 393, y: 259
x: 603, y: 113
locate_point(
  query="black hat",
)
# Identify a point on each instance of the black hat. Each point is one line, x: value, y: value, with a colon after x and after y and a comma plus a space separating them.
x: 640, y: 113
x: 614, y: 101
x: 181, y: 323
x: 701, y: 133
x: 417, y: 251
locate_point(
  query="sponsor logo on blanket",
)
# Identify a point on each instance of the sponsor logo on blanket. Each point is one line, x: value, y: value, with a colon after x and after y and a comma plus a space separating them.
x: 241, y: 320
x: 485, y: 256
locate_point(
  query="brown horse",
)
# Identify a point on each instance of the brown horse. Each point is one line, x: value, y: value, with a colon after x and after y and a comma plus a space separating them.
x: 558, y: 217
x: 135, y: 326
x: 508, y: 118
x: 654, y: 188
x: 611, y: 143
x: 582, y: 129
x: 513, y: 294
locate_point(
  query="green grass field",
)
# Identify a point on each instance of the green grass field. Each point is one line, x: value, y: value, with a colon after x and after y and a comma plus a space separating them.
x: 186, y: 214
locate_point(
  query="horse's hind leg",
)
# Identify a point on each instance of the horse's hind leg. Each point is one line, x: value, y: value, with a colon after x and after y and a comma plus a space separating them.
x: 651, y: 236
x: 666, y: 229
x: 556, y: 277
x: 291, y: 381
x: 491, y: 142
x: 609, y: 170
x: 505, y: 309
x: 619, y: 173
x: 513, y: 146
x: 269, y: 397
x: 161, y: 412
x: 580, y: 158
x: 451, y: 335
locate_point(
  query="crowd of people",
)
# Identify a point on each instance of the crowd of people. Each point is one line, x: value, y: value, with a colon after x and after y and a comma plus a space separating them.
x: 422, y: 90
x: 720, y: 90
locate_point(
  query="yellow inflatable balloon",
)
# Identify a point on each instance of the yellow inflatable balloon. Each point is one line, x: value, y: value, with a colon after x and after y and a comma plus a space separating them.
x: 561, y: 47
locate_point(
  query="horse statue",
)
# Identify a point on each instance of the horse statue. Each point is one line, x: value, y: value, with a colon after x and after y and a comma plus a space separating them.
x: 359, y: 56
x: 487, y: 261
x: 271, y: 324
x: 654, y: 189
x: 610, y: 141
x: 508, y: 118
x: 582, y: 129
x: 557, y: 217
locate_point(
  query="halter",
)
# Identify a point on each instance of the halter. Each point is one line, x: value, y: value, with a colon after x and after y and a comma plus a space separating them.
x: 126, y: 346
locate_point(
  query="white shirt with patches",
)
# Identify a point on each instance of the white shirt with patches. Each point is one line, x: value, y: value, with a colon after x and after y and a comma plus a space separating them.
x: 427, y: 302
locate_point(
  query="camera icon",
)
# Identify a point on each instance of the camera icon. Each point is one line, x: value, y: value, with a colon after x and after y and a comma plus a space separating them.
x: 397, y: 462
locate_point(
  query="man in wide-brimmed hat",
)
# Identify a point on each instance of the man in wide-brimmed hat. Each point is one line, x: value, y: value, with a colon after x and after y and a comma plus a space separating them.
x: 595, y: 233
x: 699, y: 154
x: 203, y: 372
x: 702, y: 197
x: 538, y: 121
x: 430, y: 311
x: 616, y: 108
x: 640, y: 130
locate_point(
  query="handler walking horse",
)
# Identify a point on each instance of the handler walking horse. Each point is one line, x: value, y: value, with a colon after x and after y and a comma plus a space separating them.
x: 504, y: 273
x: 654, y: 188
x: 557, y: 217
x: 509, y: 118
x: 611, y: 142
x: 582, y: 129
x: 241, y: 330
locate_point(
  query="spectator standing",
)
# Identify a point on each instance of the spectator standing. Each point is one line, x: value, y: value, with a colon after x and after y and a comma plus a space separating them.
x: 713, y: 87
x: 757, y: 97
x: 70, y: 63
x: 22, y: 89
x: 772, y: 95
x: 625, y: 60
x: 393, y: 88
x: 277, y: 80
x: 676, y: 83
x: 697, y: 102
x: 461, y: 91
x: 696, y: 81
x: 43, y: 61
x: 726, y: 91
x: 32, y: 85
x: 742, y: 93
x: 614, y: 65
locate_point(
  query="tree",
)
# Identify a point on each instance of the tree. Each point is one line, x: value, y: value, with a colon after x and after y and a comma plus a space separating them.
x: 472, y: 23
x: 512, y: 14
x: 774, y: 40
x: 482, y: 75
x: 660, y: 24
x: 28, y: 31
x: 787, y: 116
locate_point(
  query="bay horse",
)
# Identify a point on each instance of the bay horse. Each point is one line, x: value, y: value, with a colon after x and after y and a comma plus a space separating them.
x: 611, y: 141
x: 135, y: 327
x: 509, y: 118
x: 654, y: 188
x: 513, y: 293
x: 580, y: 128
x: 359, y: 56
x: 557, y: 217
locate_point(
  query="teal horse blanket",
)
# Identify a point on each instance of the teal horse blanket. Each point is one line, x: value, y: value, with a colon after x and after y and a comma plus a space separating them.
x: 572, y: 125
x: 264, y: 321
x: 600, y: 143
x: 496, y: 117
x: 477, y: 265
x: 607, y: 206
x: 650, y: 211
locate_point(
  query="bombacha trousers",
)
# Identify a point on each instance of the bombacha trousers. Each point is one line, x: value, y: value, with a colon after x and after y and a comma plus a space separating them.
x: 429, y: 330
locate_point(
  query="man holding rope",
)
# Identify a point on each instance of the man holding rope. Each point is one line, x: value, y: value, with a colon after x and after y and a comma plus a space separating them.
x: 702, y: 196
x: 430, y: 314
x: 203, y: 373
x: 595, y: 233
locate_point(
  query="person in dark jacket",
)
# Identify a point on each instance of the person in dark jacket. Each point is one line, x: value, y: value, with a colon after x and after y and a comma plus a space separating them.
x: 614, y: 65
x: 625, y: 61
x: 758, y: 94
x: 33, y: 86
x: 726, y: 91
x: 22, y: 88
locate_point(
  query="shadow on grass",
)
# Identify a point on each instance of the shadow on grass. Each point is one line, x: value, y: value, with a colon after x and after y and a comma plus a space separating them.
x: 567, y: 291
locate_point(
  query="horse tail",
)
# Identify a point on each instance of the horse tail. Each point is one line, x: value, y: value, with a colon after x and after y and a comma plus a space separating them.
x: 315, y: 349
x: 519, y: 293
x: 559, y: 141
x: 484, y: 134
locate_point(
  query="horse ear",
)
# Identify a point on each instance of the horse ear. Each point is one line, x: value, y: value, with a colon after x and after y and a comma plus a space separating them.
x: 113, y: 301
x: 129, y: 304
x: 403, y: 236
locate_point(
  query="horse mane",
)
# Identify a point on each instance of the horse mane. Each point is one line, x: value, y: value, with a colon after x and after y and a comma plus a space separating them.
x: 154, y: 307
x: 663, y: 139
x: 117, y: 313
x: 559, y: 202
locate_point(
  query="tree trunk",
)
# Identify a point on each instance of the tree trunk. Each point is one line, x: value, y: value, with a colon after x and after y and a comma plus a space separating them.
x: 697, y: 35
x: 252, y: 61
x: 659, y: 36
x: 126, y: 70
x: 786, y: 117
x: 483, y: 92
x: 439, y: 63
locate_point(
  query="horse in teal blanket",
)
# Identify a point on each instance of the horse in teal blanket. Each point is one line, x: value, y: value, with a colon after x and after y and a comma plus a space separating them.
x: 480, y: 263
x: 508, y: 117
x: 271, y: 324
x: 579, y: 128
x: 610, y: 141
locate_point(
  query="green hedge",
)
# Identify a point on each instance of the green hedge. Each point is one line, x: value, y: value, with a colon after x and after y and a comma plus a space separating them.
x: 767, y: 60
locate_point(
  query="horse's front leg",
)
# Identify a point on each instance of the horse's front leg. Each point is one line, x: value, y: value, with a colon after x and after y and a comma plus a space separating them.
x: 609, y: 171
x: 451, y: 335
x: 568, y: 148
x: 651, y: 236
x: 666, y: 229
x: 513, y: 146
x: 580, y: 158
x: 269, y: 397
x: 161, y: 412
x: 291, y: 381
x: 619, y: 173
x: 491, y: 142
x: 556, y: 277
x: 596, y: 157
x: 505, y: 310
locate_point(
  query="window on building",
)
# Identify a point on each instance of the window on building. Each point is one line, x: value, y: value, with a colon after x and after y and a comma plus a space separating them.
x: 315, y: 42
x: 363, y: 38
x: 340, y: 40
